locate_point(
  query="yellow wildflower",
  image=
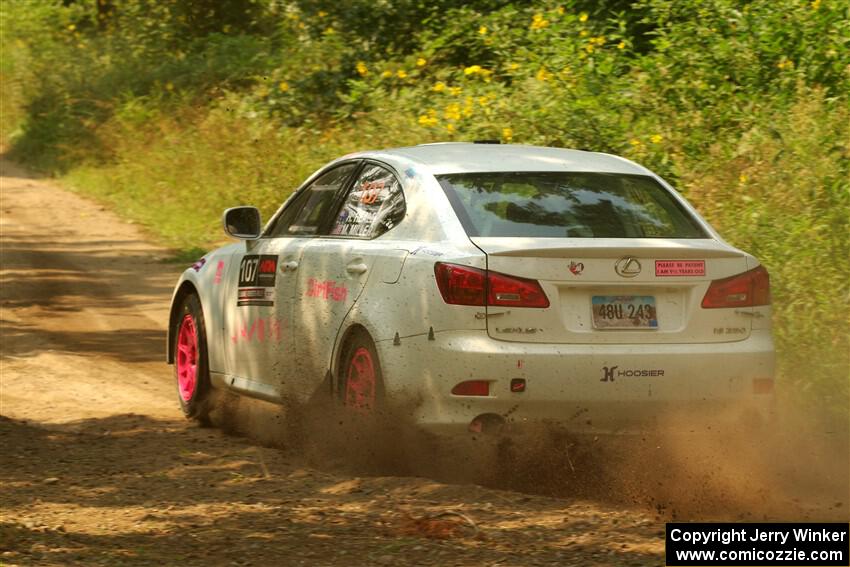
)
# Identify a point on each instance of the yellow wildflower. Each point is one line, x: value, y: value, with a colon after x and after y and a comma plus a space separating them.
x: 330, y: 31
x: 452, y: 112
x: 742, y: 179
x: 635, y: 142
x: 621, y: 45
x: 72, y: 27
x: 322, y: 13
x: 560, y: 10
x: 543, y: 74
x: 401, y: 74
x: 483, y: 30
x: 421, y: 62
x: 454, y: 91
x: 582, y: 17
x: 426, y: 120
x: 362, y: 70
x: 386, y: 74
x: 483, y: 100
x: 472, y: 70
x: 815, y: 4
x: 583, y: 33
x: 513, y: 66
x: 656, y: 138
x: 283, y: 86
x: 538, y: 22
x: 507, y: 134
x: 450, y: 128
x: 439, y: 87
x: 468, y: 106
x: 598, y: 40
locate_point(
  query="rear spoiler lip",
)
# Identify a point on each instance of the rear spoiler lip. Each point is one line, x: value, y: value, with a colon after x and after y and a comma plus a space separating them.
x: 660, y: 248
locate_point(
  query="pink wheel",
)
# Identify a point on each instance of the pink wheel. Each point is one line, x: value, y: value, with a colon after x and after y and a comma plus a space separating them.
x: 187, y: 358
x: 190, y: 360
x: 361, y: 381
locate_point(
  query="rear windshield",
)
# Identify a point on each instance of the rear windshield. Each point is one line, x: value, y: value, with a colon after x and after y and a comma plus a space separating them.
x: 576, y: 205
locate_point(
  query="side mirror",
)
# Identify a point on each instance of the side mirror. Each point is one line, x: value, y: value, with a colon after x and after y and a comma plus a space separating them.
x: 242, y: 223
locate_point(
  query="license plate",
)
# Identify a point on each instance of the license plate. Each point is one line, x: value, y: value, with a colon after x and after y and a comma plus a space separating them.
x: 624, y: 312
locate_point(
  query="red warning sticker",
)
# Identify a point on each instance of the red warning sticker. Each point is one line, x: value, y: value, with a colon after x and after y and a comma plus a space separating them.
x: 680, y: 267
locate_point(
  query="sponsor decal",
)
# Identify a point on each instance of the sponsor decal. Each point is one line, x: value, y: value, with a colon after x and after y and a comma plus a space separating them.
x: 730, y: 330
x: 665, y: 268
x: 370, y: 191
x: 520, y: 363
x: 426, y: 251
x: 327, y: 290
x: 255, y: 296
x: 261, y: 329
x: 518, y: 385
x: 199, y: 264
x: 219, y: 271
x: 576, y: 268
x: 519, y: 330
x: 257, y: 273
x: 609, y: 372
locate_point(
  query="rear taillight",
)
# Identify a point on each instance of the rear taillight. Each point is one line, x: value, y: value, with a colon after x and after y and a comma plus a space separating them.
x: 461, y: 285
x: 464, y: 285
x: 744, y: 290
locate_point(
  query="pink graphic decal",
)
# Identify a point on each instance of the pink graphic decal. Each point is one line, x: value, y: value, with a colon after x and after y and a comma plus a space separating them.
x: 219, y: 271
x: 680, y: 267
x: 326, y: 290
x: 576, y: 268
x: 262, y: 329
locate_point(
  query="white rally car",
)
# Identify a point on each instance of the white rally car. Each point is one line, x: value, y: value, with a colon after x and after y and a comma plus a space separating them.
x: 477, y: 285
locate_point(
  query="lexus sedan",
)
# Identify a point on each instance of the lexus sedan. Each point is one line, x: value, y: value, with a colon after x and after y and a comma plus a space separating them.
x: 479, y: 285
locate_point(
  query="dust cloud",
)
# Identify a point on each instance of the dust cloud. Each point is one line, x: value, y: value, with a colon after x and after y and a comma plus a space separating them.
x: 796, y: 470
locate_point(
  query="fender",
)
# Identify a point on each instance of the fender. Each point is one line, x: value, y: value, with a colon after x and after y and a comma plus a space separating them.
x: 201, y: 279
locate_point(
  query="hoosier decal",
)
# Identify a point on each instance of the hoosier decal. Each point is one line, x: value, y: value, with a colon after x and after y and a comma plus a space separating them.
x: 257, y: 273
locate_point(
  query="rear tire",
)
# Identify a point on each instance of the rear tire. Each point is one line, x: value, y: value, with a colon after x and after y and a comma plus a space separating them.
x: 361, y: 383
x: 191, y: 367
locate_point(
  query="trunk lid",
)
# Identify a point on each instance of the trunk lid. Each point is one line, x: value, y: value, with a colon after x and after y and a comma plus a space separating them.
x: 602, y: 290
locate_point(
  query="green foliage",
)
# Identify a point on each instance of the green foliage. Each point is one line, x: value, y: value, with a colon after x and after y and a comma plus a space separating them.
x: 196, y: 106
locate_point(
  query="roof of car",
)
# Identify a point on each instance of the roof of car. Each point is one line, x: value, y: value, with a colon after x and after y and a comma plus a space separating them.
x: 459, y: 157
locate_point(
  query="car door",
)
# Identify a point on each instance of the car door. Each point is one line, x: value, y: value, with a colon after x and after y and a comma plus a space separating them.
x: 261, y: 351
x: 336, y: 266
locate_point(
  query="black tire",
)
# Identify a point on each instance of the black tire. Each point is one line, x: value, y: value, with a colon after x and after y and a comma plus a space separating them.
x: 358, y: 348
x: 194, y: 402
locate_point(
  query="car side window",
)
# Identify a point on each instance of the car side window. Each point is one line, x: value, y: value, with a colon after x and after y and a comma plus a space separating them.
x: 304, y: 215
x: 374, y: 205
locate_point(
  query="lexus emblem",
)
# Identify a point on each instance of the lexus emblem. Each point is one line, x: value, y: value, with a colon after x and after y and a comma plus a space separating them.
x: 627, y: 267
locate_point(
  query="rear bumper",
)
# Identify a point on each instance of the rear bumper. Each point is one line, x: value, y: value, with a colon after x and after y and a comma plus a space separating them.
x: 691, y: 387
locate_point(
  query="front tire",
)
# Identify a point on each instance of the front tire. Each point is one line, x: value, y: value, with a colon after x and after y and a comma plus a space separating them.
x: 191, y: 368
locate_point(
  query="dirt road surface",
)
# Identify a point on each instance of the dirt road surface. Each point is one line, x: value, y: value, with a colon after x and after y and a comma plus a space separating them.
x: 98, y: 466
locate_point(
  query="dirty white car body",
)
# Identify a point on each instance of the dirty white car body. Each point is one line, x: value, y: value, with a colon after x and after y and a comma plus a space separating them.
x: 278, y: 309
